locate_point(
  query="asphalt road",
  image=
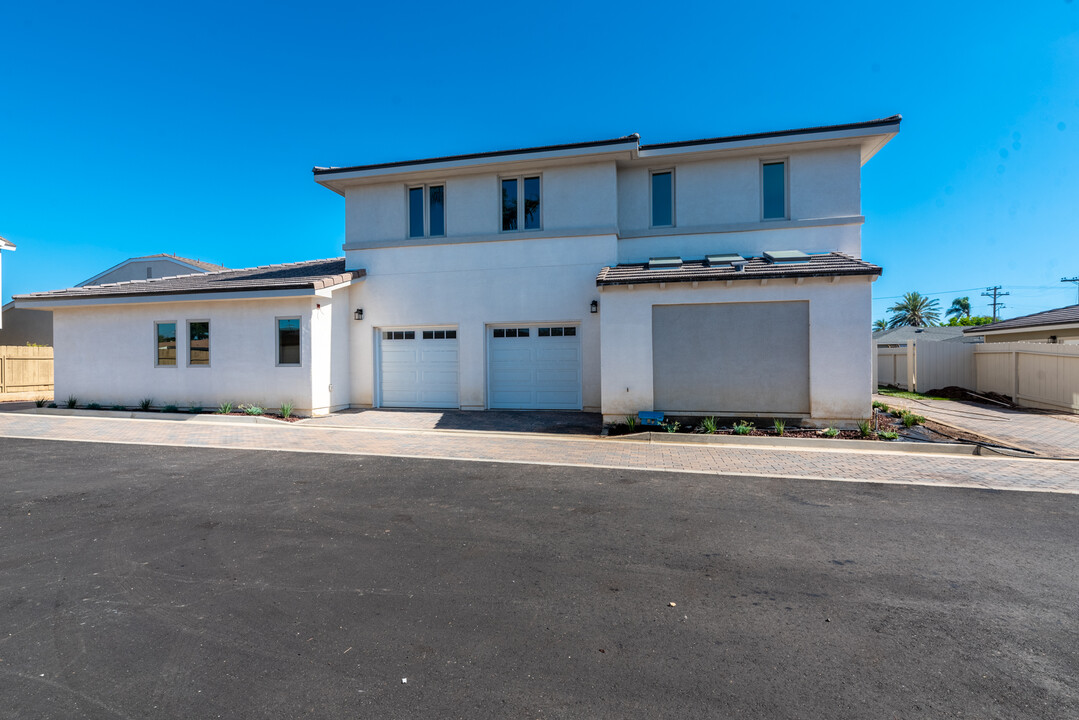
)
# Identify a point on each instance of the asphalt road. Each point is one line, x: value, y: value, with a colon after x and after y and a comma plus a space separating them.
x: 147, y: 582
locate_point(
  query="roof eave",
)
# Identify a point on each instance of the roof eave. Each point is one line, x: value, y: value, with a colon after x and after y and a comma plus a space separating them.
x: 867, y: 272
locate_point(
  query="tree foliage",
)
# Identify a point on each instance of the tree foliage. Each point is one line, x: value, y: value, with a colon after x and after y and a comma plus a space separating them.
x: 960, y: 308
x: 880, y: 325
x: 970, y: 321
x: 915, y: 310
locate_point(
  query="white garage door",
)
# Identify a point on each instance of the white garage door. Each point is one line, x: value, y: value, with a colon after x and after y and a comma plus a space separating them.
x: 534, y: 367
x: 418, y: 368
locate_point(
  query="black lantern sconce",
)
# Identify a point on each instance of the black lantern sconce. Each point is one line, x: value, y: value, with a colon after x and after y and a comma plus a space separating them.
x: 358, y: 314
x: 594, y: 307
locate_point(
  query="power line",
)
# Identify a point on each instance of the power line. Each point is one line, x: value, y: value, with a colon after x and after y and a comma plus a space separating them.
x: 994, y: 292
x: 1076, y: 281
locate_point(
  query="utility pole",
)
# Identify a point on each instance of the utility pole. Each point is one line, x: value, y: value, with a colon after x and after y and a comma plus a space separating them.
x: 1076, y: 281
x: 994, y: 292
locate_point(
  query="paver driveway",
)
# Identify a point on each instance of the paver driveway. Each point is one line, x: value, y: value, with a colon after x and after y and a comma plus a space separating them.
x: 890, y: 467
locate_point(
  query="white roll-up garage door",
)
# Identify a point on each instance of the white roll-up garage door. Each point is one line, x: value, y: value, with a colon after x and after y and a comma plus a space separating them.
x: 534, y: 367
x: 418, y: 368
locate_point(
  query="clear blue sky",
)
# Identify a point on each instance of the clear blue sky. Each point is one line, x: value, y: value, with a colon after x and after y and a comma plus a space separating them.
x: 191, y: 128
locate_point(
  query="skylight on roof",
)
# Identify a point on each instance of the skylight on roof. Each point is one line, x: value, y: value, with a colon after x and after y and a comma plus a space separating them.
x: 722, y: 259
x: 785, y: 256
x: 664, y: 262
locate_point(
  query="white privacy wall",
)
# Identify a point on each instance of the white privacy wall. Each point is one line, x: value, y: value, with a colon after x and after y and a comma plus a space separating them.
x: 330, y: 373
x: 106, y: 354
x: 471, y: 286
x: 839, y: 351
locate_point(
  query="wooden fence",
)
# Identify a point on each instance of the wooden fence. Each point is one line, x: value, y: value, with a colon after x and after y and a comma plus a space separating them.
x: 25, y: 369
x: 1040, y: 375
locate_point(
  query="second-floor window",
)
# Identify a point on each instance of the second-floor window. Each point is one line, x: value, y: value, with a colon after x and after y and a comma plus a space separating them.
x: 774, y: 190
x: 662, y: 198
x: 521, y: 203
x: 427, y: 211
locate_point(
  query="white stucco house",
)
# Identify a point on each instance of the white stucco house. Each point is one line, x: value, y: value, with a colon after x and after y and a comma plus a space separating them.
x: 720, y: 276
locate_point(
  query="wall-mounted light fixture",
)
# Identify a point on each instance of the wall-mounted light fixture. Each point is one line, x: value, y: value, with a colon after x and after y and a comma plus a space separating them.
x: 594, y: 307
x: 358, y: 314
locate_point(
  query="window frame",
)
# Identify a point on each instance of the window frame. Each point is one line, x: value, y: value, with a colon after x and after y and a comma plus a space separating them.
x: 426, y: 187
x: 187, y: 342
x: 785, y: 162
x: 651, y: 199
x: 277, y: 340
x: 157, y: 347
x: 520, y: 201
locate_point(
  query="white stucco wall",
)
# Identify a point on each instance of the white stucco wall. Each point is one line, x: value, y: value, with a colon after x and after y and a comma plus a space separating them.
x: 106, y: 354
x: 694, y: 246
x: 330, y: 374
x: 840, y: 357
x: 472, y: 285
x: 573, y: 197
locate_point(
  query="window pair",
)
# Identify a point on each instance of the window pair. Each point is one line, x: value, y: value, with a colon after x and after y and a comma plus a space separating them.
x: 198, y: 343
x: 773, y: 194
x: 427, y: 211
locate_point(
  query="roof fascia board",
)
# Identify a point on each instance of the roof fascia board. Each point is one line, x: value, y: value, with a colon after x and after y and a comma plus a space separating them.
x: 1023, y: 328
x: 6, y: 244
x: 884, y: 133
x: 346, y: 177
x: 52, y: 303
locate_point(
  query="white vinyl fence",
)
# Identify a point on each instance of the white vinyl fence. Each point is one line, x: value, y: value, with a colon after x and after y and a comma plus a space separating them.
x: 1040, y: 375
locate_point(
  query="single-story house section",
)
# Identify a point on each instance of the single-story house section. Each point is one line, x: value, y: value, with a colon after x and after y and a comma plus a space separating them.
x: 1060, y: 325
x: 4, y: 245
x: 900, y: 336
x: 710, y: 277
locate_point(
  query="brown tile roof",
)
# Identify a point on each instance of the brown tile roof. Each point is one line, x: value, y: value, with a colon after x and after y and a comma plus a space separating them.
x: 208, y: 267
x: 1060, y: 316
x: 309, y: 275
x: 825, y: 265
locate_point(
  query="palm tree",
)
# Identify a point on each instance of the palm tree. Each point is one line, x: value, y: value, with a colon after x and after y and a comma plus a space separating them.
x: 880, y: 325
x: 916, y: 310
x: 960, y: 308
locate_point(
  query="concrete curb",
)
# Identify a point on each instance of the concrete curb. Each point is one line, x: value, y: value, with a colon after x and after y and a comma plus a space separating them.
x: 140, y: 415
x: 795, y: 443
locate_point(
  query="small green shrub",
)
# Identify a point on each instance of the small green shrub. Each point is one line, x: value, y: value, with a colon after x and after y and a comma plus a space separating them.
x: 743, y: 427
x: 146, y: 403
x: 224, y: 408
x: 118, y: 407
x: 888, y: 435
x: 672, y: 426
x: 252, y: 409
x: 910, y: 419
x: 632, y: 421
x: 780, y: 426
x: 93, y: 406
x: 171, y: 409
x: 286, y: 409
x: 195, y: 409
x: 865, y: 428
x: 831, y: 432
x: 52, y: 405
x: 881, y: 406
x: 72, y: 401
x: 40, y: 402
x: 709, y: 425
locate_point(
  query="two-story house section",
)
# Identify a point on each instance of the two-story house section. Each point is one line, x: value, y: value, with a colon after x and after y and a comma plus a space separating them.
x: 709, y: 277
x: 718, y: 276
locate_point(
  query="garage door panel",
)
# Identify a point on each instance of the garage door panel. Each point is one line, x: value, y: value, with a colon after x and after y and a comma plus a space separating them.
x: 731, y: 357
x: 419, y: 372
x: 540, y: 370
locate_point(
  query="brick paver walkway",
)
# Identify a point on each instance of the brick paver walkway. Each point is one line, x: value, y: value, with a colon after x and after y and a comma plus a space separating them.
x: 891, y: 467
x: 1043, y: 433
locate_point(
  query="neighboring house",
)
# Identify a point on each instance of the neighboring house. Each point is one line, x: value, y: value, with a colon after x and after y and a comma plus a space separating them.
x: 26, y: 326
x: 900, y: 336
x: 4, y: 245
x: 718, y: 276
x: 1051, y: 326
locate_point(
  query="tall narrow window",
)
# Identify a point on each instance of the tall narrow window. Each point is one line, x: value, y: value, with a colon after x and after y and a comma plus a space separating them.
x: 521, y: 204
x: 774, y: 190
x: 166, y: 343
x: 198, y: 334
x: 436, y: 210
x: 427, y: 211
x: 288, y: 341
x: 663, y: 199
x: 509, y: 204
x: 415, y: 212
